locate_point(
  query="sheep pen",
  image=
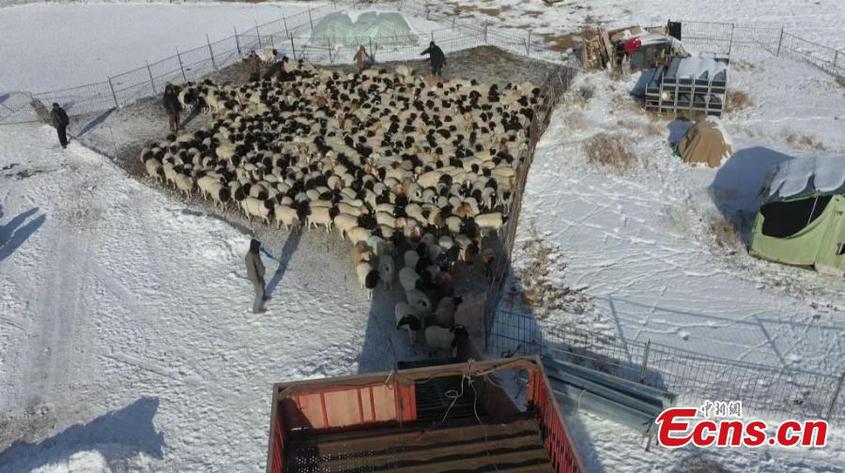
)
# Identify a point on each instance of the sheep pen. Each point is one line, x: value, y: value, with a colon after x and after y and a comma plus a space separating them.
x: 386, y: 162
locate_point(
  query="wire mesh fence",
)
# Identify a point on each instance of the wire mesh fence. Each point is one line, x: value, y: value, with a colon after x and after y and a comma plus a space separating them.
x: 551, y: 92
x: 149, y: 80
x: 737, y: 40
x: 292, y: 36
x: 763, y: 389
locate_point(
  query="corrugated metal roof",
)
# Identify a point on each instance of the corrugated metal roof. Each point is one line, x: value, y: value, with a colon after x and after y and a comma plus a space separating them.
x: 696, y: 68
x: 805, y: 177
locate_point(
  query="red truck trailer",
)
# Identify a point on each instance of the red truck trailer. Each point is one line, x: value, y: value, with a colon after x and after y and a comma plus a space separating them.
x: 454, y: 417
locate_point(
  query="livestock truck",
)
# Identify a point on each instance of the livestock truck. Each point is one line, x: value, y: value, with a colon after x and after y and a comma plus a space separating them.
x: 447, y: 418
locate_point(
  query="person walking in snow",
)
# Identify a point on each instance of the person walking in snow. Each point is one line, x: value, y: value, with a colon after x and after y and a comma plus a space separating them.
x: 255, y: 273
x: 253, y: 63
x: 172, y: 106
x: 60, y: 121
x: 436, y: 58
x: 361, y: 58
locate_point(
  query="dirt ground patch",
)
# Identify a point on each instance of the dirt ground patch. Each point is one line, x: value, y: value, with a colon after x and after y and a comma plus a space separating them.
x: 805, y: 142
x: 610, y: 150
x: 489, y: 11
x: 738, y: 100
x: 561, y: 42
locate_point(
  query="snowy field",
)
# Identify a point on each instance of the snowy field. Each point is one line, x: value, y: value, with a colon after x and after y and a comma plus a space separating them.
x: 129, y: 314
x: 125, y: 339
x: 49, y: 46
x: 815, y: 20
x: 111, y: 38
x: 641, y: 240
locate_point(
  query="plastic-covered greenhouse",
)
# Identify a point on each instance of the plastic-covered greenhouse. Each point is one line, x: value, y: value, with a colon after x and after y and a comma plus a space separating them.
x: 339, y: 29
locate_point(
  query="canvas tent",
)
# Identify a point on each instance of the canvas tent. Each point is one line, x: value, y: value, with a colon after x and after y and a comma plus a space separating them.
x: 705, y: 142
x: 802, y: 217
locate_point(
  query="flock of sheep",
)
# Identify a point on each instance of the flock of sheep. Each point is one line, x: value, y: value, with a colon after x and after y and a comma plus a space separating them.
x: 415, y: 174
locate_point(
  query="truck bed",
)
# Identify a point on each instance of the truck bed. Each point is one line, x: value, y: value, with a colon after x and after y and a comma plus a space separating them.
x: 513, y: 445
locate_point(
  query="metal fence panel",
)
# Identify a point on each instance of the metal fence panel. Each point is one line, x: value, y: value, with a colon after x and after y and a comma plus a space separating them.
x: 694, y: 377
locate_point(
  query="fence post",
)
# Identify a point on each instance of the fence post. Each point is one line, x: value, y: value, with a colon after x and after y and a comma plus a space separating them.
x: 731, y: 43
x: 485, y: 32
x: 285, y: 22
x: 644, y: 365
x: 152, y: 82
x: 237, y: 42
x: 211, y: 52
x: 835, y: 396
x: 292, y: 48
x: 528, y: 45
x: 113, y: 95
x: 329, y: 49
x: 258, y: 33
x: 181, y: 67
x: 310, y: 21
x: 835, y: 60
x: 780, y: 41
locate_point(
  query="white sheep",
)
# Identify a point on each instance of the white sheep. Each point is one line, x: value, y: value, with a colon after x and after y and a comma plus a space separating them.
x: 154, y: 169
x: 410, y: 258
x: 419, y: 301
x: 358, y: 234
x: 360, y: 253
x: 320, y: 216
x: 386, y: 219
x: 367, y: 277
x: 350, y: 209
x: 345, y: 222
x: 184, y: 183
x: 408, y: 278
x: 491, y: 221
x: 444, y: 314
x: 253, y: 207
x: 444, y: 340
x: 285, y: 215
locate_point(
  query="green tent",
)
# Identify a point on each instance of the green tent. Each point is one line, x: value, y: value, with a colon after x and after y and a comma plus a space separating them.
x: 802, y: 217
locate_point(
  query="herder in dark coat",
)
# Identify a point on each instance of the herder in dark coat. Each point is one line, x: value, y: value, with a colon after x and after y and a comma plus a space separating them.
x: 60, y: 121
x: 255, y: 273
x: 253, y: 63
x: 172, y: 106
x: 437, y: 58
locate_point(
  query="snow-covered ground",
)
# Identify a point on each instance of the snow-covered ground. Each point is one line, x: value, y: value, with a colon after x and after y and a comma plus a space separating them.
x: 645, y: 245
x: 51, y: 46
x: 815, y: 20
x: 641, y: 240
x: 125, y: 321
x: 125, y: 339
x: 87, y: 42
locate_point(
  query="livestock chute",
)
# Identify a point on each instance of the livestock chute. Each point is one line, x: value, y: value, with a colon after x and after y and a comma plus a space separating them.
x: 801, y: 220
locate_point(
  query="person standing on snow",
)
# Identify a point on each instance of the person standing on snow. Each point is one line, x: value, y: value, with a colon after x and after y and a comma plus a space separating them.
x: 253, y: 63
x: 436, y: 57
x: 172, y: 106
x: 361, y: 59
x: 60, y: 121
x: 255, y: 273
